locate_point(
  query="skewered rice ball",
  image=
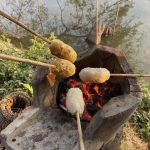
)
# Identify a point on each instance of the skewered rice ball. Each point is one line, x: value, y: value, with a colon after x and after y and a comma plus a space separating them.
x: 64, y: 68
x: 96, y: 75
x: 62, y: 50
x: 74, y: 101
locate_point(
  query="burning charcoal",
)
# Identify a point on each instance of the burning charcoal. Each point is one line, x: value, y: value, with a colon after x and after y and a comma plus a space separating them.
x: 92, y: 109
x: 97, y: 101
x: 92, y: 88
x: 87, y: 97
x: 95, y: 94
x: 72, y: 82
x: 86, y: 116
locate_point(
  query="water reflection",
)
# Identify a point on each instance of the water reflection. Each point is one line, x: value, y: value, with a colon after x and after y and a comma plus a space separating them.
x: 72, y: 20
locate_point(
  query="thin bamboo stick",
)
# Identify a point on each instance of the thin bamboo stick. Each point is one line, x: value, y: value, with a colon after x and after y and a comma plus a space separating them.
x: 37, y: 63
x: 80, y: 132
x: 27, y: 61
x: 130, y: 75
x: 23, y: 26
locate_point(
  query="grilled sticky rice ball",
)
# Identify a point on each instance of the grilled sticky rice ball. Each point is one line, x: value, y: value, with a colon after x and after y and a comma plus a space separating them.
x: 96, y: 75
x: 62, y: 50
x: 64, y: 68
x: 74, y: 101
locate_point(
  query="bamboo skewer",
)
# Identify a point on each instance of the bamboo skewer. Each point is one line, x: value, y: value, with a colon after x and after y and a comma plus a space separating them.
x: 130, y: 75
x: 75, y: 105
x: 27, y: 61
x: 80, y: 132
x: 37, y: 63
x: 23, y: 26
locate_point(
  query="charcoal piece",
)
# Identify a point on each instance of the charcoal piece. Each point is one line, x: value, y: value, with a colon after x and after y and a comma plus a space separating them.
x: 104, y: 100
x: 96, y: 98
x: 92, y: 109
x: 91, y: 88
x: 79, y: 85
x: 62, y: 88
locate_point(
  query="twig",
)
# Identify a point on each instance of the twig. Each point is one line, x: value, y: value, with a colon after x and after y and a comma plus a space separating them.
x: 116, y: 19
x: 97, y: 22
x: 28, y: 61
x: 23, y: 26
x: 39, y: 15
x: 80, y: 132
x: 61, y: 14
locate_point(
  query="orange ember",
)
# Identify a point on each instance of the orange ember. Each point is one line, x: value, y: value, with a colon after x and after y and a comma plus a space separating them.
x: 95, y: 95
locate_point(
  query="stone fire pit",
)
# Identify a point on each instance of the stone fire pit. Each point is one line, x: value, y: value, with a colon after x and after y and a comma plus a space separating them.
x: 42, y: 127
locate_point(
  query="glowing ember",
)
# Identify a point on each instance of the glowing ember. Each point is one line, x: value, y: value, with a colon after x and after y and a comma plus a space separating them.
x: 95, y: 95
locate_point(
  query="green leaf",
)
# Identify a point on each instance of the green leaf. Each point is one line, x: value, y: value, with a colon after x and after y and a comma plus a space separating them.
x: 28, y: 87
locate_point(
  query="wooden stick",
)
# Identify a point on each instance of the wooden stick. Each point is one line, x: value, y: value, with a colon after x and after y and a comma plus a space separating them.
x: 97, y: 21
x: 23, y: 26
x: 28, y: 61
x: 130, y: 75
x: 116, y: 19
x: 37, y: 63
x: 80, y: 132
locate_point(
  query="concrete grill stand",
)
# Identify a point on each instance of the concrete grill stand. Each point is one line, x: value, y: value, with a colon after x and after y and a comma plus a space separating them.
x: 42, y: 127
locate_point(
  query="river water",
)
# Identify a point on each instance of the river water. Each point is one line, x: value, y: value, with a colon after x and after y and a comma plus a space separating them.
x: 72, y: 20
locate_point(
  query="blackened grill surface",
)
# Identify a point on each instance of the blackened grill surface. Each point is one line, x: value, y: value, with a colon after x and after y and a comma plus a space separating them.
x: 95, y: 95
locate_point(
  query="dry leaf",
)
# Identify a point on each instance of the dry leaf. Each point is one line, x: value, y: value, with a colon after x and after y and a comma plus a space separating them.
x: 51, y: 77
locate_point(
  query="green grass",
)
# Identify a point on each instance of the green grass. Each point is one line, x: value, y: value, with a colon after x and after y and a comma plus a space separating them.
x: 141, y: 118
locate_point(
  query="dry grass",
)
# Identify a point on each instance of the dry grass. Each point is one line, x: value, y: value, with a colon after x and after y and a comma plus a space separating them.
x: 131, y: 140
x: 7, y: 45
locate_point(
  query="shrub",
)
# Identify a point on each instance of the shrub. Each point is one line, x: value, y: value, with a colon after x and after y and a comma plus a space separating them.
x: 13, y: 75
x: 141, y: 118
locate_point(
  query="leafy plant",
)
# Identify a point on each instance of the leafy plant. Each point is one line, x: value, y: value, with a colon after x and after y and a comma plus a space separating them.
x: 13, y: 74
x: 5, y: 39
x: 28, y: 87
x: 141, y: 118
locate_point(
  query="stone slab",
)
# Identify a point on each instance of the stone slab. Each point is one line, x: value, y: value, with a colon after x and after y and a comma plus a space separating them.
x: 14, y: 128
x: 49, y: 130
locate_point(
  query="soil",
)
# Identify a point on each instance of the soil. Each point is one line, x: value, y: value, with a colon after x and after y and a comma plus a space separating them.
x: 131, y: 140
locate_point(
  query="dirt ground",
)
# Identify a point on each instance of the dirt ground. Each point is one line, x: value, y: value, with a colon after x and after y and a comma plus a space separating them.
x: 131, y: 140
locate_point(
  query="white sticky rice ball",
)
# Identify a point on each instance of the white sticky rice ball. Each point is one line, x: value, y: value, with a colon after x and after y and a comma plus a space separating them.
x: 74, y: 101
x: 96, y: 75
